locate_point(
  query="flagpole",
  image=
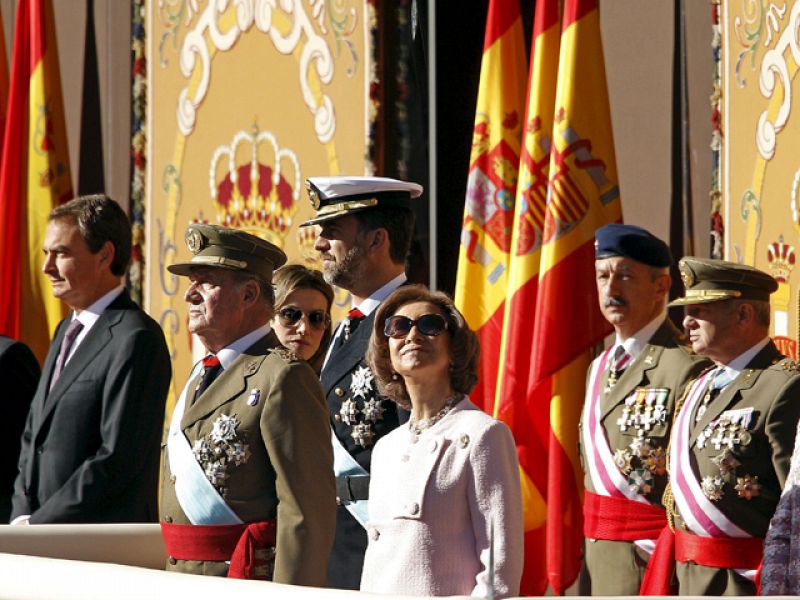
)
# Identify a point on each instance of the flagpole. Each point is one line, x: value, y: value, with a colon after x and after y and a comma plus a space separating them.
x: 433, y: 199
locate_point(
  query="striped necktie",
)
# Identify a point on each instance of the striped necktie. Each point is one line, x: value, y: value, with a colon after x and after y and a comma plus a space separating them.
x: 619, y: 363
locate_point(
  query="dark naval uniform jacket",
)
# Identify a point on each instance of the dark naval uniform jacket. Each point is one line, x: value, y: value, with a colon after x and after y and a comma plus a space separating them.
x: 266, y: 414
x: 769, y: 389
x: 90, y: 450
x: 663, y: 369
x: 359, y: 417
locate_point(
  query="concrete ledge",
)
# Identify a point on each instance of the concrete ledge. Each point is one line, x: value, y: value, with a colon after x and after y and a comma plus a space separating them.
x: 138, y: 545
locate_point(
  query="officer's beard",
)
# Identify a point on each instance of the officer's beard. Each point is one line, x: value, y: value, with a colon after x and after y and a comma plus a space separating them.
x: 346, y: 273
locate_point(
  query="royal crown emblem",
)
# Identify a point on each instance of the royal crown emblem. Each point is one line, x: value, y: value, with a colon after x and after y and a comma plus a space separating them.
x: 255, y: 185
x: 781, y: 260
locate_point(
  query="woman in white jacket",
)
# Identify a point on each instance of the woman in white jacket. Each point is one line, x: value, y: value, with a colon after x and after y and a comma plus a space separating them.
x: 445, y: 488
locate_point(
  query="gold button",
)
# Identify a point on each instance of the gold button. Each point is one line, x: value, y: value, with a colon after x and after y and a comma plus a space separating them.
x: 337, y: 418
x: 339, y: 392
x: 172, y: 478
x: 172, y: 560
x: 338, y: 501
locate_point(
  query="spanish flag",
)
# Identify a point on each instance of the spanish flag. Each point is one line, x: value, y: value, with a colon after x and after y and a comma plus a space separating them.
x: 34, y: 178
x: 583, y: 195
x: 481, y: 283
x: 526, y: 411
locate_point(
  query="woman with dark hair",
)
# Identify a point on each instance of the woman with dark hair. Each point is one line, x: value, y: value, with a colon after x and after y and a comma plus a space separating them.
x: 445, y: 491
x: 302, y: 318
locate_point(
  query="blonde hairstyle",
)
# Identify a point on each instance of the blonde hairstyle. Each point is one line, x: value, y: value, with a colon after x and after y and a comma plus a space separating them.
x: 293, y: 277
x: 464, y: 345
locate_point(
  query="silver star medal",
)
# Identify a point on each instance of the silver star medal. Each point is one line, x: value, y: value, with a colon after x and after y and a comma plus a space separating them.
x: 712, y: 487
x: 349, y: 412
x: 373, y: 411
x: 361, y: 382
x: 224, y: 429
x: 362, y: 434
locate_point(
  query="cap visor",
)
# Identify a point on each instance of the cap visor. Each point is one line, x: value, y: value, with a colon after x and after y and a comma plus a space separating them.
x: 330, y: 217
x: 699, y: 300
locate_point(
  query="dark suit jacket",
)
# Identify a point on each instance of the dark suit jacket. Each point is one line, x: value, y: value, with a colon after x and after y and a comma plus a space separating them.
x: 347, y: 557
x: 90, y: 451
x: 19, y: 373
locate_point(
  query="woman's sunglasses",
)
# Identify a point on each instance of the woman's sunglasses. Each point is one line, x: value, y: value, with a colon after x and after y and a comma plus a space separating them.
x: 290, y: 316
x: 398, y: 326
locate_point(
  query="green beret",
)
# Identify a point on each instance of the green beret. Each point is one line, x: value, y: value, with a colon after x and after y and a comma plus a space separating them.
x: 710, y: 280
x: 216, y: 246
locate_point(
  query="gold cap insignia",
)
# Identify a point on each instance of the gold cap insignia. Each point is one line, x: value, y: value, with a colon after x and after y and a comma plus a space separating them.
x: 194, y: 240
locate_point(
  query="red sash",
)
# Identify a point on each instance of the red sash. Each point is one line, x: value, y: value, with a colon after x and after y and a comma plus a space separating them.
x: 714, y: 552
x: 236, y: 543
x: 620, y: 519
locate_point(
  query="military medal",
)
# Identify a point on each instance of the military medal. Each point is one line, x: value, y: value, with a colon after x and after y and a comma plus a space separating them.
x: 748, y: 487
x: 640, y: 481
x: 362, y: 434
x: 252, y: 399
x: 726, y: 462
x: 349, y: 412
x: 712, y: 487
x: 373, y: 411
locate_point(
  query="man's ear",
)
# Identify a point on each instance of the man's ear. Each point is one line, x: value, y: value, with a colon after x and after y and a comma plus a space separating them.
x: 745, y: 313
x: 251, y: 291
x: 107, y: 252
x: 378, y: 238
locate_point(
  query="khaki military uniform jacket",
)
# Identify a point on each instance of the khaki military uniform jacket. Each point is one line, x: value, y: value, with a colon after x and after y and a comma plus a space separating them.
x: 769, y: 391
x: 285, y: 469
x: 662, y: 369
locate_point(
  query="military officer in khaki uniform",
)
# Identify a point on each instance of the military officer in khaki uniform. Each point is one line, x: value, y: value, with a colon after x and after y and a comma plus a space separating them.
x: 631, y: 394
x: 735, y: 430
x: 248, y: 471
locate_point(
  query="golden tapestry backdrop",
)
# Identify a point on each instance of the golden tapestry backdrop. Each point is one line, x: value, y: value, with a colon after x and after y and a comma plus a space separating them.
x: 245, y: 103
x: 760, y: 154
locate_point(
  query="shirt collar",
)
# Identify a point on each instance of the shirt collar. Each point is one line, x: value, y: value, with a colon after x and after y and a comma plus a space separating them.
x: 368, y: 305
x: 738, y: 364
x: 90, y: 315
x: 637, y: 342
x: 232, y: 351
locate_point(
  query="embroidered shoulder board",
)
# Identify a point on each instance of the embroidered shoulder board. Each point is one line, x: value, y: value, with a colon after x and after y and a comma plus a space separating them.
x: 285, y: 354
x: 790, y: 365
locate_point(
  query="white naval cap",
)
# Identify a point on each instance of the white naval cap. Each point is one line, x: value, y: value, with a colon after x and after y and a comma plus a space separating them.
x: 334, y: 197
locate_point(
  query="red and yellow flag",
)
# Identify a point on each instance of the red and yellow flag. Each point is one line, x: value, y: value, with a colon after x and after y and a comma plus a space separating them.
x: 34, y: 177
x: 481, y: 283
x: 527, y: 413
x: 583, y: 195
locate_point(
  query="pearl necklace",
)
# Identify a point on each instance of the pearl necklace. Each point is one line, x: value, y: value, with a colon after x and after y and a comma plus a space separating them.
x: 417, y: 427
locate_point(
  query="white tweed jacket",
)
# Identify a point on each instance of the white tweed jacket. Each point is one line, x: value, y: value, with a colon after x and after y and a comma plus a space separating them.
x: 433, y: 502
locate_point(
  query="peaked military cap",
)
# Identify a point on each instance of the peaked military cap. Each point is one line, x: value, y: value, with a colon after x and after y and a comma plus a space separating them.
x: 216, y: 246
x: 709, y: 280
x: 334, y: 197
x: 630, y: 241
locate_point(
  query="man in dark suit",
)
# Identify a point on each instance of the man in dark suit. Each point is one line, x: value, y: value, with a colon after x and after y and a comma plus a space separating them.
x: 733, y: 438
x: 367, y: 225
x: 91, y: 446
x: 247, y: 490
x: 630, y: 404
x: 19, y: 373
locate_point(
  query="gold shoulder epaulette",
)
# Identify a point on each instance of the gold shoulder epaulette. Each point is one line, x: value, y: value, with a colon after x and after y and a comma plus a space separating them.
x: 789, y: 364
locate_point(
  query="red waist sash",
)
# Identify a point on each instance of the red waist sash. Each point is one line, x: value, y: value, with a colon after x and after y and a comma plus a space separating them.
x: 714, y: 552
x: 236, y: 543
x: 620, y: 519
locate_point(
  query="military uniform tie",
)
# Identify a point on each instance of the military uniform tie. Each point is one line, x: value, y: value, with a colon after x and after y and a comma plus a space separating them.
x: 66, y: 345
x: 211, y: 368
x: 619, y: 363
x: 719, y: 381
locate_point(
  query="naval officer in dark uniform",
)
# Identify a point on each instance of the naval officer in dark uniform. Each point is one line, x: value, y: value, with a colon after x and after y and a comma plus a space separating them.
x: 366, y: 229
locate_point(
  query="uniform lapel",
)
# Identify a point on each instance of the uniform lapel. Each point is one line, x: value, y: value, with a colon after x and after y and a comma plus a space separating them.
x: 230, y: 384
x: 344, y: 358
x: 637, y: 373
x: 733, y: 391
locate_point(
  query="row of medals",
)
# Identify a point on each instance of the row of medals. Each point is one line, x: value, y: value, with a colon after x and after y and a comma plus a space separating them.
x: 725, y: 434
x: 642, y: 412
x: 641, y: 461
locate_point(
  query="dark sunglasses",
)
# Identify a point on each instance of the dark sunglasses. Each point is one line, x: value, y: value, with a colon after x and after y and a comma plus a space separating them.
x: 399, y: 326
x: 289, y: 317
